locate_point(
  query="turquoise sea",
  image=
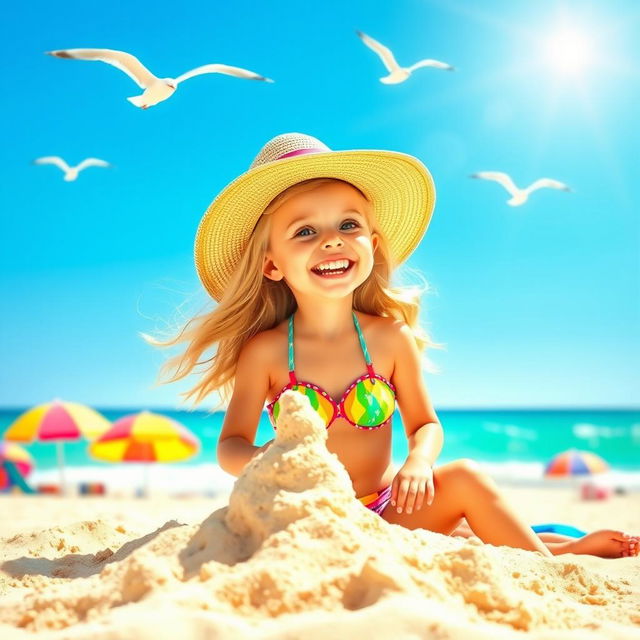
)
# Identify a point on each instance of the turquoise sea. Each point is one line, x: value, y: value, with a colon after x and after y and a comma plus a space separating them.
x: 516, y: 438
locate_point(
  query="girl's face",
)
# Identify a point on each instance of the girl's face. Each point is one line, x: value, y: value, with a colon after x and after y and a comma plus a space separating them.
x: 326, y: 224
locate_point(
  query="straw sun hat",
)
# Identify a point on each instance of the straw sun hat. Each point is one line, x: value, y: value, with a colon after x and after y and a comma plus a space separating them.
x: 399, y: 186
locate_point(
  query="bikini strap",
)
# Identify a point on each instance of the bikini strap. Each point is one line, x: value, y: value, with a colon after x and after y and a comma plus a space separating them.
x: 363, y: 344
x: 292, y: 375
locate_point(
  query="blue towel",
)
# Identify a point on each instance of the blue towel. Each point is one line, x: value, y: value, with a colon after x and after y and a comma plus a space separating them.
x: 563, y: 529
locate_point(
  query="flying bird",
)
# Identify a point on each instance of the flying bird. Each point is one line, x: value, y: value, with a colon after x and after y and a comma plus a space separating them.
x: 71, y: 173
x: 519, y: 196
x: 155, y: 89
x: 397, y: 73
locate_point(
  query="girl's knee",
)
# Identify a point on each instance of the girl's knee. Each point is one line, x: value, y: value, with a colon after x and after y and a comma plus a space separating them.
x: 465, y: 467
x: 467, y: 464
x: 469, y: 472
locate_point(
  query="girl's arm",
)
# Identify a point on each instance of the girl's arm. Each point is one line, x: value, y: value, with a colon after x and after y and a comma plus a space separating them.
x: 235, y: 444
x: 414, y: 481
x: 423, y: 429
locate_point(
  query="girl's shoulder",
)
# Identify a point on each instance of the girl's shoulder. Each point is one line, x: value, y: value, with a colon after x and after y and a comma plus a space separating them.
x: 384, y: 326
x: 381, y: 326
x: 269, y: 341
x: 375, y: 327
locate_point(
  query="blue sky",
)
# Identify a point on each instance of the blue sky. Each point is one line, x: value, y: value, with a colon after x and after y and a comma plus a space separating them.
x: 538, y: 305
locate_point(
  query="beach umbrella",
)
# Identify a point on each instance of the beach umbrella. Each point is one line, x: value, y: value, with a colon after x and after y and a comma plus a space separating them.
x: 145, y: 437
x: 57, y: 422
x: 20, y: 459
x: 575, y: 462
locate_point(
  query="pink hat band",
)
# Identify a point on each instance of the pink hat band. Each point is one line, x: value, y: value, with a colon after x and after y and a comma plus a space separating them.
x: 299, y: 152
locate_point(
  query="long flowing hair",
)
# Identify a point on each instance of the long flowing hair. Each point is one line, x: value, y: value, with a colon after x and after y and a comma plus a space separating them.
x: 253, y: 303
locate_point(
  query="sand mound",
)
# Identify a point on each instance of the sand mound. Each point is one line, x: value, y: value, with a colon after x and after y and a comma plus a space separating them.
x: 296, y: 555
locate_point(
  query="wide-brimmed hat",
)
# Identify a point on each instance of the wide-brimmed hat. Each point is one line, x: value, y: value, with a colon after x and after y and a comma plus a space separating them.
x: 399, y: 186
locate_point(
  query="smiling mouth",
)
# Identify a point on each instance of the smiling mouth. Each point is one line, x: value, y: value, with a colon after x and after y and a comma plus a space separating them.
x: 335, y: 273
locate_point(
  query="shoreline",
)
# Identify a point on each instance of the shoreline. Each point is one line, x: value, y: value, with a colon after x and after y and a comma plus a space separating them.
x: 210, y: 479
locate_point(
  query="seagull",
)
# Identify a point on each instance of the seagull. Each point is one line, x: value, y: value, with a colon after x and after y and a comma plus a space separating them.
x: 519, y: 196
x: 71, y: 173
x: 155, y: 89
x: 397, y: 73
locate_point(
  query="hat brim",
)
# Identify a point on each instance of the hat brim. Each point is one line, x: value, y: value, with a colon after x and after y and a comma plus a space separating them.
x: 399, y: 186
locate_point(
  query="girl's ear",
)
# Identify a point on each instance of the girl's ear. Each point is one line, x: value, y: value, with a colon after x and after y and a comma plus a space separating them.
x: 374, y: 240
x: 270, y: 270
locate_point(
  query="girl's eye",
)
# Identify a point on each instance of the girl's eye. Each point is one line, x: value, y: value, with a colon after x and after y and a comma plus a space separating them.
x: 346, y: 222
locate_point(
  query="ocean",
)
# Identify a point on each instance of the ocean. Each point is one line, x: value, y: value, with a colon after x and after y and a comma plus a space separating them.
x: 513, y: 445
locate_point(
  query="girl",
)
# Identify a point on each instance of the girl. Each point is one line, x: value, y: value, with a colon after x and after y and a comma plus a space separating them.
x: 298, y: 252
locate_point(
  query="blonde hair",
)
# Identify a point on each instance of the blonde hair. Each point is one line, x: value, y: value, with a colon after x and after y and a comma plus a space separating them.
x: 253, y: 303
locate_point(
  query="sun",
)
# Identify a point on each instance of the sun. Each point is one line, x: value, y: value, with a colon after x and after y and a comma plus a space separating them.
x: 568, y: 51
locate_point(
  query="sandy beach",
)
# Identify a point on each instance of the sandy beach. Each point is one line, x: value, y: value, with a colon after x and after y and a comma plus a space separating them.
x: 291, y: 553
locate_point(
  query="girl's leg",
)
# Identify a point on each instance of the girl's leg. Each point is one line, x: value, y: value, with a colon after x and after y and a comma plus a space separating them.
x: 604, y: 543
x: 464, y: 531
x: 463, y: 490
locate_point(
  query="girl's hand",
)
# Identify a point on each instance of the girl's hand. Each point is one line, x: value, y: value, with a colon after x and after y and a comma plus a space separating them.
x: 412, y: 484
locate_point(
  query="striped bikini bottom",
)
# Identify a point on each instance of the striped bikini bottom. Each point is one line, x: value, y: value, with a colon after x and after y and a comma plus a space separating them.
x: 377, y: 501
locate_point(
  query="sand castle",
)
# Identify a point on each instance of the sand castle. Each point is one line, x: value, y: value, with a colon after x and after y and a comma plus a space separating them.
x: 296, y: 555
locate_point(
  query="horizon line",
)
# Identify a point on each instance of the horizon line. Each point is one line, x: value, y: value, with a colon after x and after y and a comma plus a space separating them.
x: 9, y: 409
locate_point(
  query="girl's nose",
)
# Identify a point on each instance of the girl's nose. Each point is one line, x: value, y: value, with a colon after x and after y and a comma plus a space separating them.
x: 332, y: 239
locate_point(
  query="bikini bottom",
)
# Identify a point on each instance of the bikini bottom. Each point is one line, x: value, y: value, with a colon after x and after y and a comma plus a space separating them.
x: 377, y: 501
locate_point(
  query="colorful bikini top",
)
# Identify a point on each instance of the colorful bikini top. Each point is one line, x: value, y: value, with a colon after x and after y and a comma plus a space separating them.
x: 368, y: 402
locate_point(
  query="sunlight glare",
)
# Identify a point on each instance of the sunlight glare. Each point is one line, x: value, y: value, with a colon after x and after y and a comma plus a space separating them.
x: 568, y: 51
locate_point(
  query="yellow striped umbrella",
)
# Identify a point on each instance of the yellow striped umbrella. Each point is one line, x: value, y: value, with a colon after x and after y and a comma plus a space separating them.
x: 57, y: 421
x: 145, y: 437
